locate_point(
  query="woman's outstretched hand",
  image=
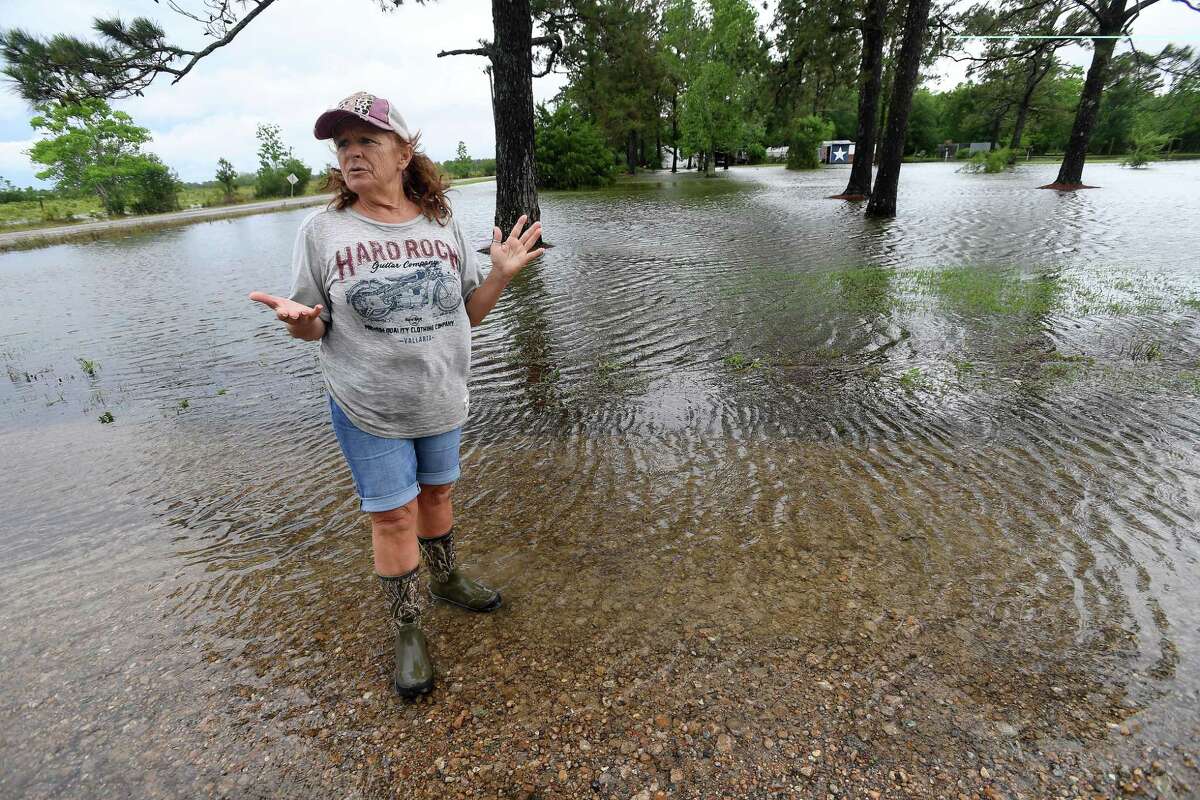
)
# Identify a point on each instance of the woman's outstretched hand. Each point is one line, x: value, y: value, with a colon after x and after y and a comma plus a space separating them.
x: 303, y: 322
x: 512, y: 254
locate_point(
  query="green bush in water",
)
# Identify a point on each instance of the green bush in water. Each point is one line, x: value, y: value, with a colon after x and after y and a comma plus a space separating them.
x: 756, y: 153
x: 988, y: 161
x: 807, y: 135
x: 1146, y: 147
x: 570, y: 151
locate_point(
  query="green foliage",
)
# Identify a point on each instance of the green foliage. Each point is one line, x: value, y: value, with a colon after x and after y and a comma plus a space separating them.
x: 807, y: 135
x: 924, y: 130
x: 461, y: 166
x: 14, y: 194
x: 89, y: 148
x: 155, y: 186
x: 990, y: 161
x: 275, y: 161
x: 724, y: 72
x: 107, y: 418
x: 739, y: 362
x: 756, y: 153
x: 226, y: 176
x: 570, y: 150
x: 912, y: 380
x: 1147, y: 146
x: 618, y: 76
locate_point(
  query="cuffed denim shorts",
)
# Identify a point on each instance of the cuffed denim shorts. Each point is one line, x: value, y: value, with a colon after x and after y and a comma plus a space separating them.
x: 388, y: 473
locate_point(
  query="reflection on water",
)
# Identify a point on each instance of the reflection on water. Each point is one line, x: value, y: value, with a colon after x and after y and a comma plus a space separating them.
x: 729, y: 405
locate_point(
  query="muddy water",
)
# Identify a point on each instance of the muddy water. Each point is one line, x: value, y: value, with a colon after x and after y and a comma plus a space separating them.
x: 924, y: 491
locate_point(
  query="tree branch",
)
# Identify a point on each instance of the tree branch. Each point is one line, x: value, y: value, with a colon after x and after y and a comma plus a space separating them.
x: 71, y: 69
x: 1133, y: 12
x: 1087, y: 6
x: 224, y: 40
x: 486, y: 50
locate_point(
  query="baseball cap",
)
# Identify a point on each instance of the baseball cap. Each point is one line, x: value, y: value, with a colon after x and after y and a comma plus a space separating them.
x: 366, y: 107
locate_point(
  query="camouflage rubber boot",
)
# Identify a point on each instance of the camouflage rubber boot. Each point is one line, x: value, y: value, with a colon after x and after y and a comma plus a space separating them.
x: 413, y: 671
x: 447, y: 583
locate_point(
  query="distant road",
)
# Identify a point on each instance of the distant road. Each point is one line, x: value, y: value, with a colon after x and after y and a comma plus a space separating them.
x: 89, y: 230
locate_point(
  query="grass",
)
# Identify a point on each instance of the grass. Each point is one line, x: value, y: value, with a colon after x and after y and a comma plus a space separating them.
x: 89, y: 367
x: 106, y: 418
x: 983, y: 292
x: 739, y: 362
x: 912, y: 380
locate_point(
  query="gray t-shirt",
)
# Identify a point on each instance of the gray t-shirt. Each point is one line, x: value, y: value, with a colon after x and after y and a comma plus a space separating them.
x: 397, y: 347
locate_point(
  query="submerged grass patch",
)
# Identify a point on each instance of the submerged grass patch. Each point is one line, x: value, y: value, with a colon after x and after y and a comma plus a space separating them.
x: 971, y: 291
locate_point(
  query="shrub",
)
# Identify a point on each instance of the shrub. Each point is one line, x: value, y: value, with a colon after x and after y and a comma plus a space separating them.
x: 570, y: 151
x: 988, y: 161
x: 273, y: 182
x: 807, y: 135
x: 155, y: 187
x: 275, y: 162
x: 756, y: 154
x: 226, y: 176
x: 1146, y: 147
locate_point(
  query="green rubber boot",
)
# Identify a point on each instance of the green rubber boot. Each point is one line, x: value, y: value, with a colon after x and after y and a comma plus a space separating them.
x: 447, y: 583
x: 412, y: 674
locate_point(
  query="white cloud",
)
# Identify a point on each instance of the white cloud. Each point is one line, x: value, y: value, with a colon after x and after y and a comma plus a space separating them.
x: 14, y: 162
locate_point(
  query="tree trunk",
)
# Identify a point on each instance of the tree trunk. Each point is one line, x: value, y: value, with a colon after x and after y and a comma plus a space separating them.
x: 1070, y: 173
x: 674, y: 131
x: 512, y: 66
x: 631, y: 152
x: 870, y: 80
x: 1036, y: 74
x: 887, y: 179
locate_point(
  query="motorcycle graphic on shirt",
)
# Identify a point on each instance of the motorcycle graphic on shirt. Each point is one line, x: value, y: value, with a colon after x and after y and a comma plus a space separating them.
x: 376, y: 299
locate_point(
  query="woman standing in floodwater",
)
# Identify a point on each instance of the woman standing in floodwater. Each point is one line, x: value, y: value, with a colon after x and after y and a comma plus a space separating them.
x: 385, y: 280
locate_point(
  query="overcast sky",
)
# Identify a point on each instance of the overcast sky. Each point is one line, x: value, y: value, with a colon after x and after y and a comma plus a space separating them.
x: 301, y: 56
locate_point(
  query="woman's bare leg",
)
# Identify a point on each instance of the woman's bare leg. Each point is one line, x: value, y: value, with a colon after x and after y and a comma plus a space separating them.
x: 394, y: 540
x: 435, y: 515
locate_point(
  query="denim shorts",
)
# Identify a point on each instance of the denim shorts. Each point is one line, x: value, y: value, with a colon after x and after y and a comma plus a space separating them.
x: 388, y: 473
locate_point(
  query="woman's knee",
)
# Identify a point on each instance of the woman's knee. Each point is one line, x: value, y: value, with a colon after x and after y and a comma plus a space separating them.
x: 396, y: 519
x: 436, y: 494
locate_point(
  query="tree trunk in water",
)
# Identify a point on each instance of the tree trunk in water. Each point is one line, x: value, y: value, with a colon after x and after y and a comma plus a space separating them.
x: 631, y: 152
x: 887, y: 179
x: 512, y: 66
x: 870, y: 79
x: 675, y: 132
x: 1070, y: 173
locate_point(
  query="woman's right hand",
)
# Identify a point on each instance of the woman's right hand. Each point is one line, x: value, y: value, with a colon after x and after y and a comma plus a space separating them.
x: 300, y: 318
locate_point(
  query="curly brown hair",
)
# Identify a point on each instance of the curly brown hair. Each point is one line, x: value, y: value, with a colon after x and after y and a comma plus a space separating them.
x: 423, y: 184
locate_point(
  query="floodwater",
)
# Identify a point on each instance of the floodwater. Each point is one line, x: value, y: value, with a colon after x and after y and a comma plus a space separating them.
x: 927, y: 489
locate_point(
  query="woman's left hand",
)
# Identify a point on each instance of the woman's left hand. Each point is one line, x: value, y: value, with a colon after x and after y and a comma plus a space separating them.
x: 511, y: 255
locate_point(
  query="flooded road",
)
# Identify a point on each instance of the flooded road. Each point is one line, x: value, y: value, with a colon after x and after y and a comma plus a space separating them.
x: 783, y: 503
